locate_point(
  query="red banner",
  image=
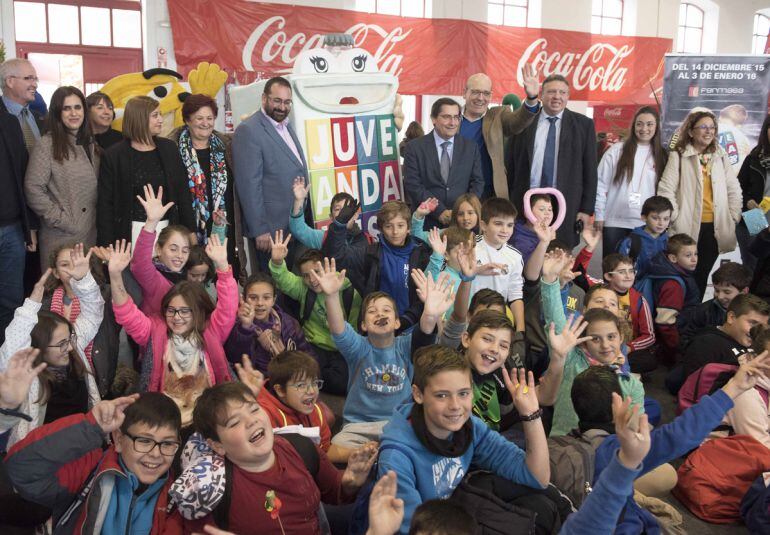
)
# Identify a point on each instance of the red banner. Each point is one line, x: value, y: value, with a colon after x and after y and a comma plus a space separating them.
x: 429, y: 56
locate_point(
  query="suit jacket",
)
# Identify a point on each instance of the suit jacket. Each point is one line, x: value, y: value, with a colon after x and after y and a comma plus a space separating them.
x: 115, y: 194
x: 498, y: 123
x: 265, y: 168
x: 39, y: 118
x: 13, y: 140
x: 422, y: 174
x: 576, y: 169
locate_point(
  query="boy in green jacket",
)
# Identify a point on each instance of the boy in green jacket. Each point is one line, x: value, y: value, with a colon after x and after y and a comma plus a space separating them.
x: 312, y: 302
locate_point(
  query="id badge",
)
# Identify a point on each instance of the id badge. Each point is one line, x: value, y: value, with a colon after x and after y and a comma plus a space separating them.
x: 635, y: 200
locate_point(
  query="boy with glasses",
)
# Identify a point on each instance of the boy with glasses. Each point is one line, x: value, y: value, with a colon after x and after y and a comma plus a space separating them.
x: 123, y: 489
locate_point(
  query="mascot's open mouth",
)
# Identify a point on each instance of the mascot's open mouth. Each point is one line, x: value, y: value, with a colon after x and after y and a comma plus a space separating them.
x: 348, y: 100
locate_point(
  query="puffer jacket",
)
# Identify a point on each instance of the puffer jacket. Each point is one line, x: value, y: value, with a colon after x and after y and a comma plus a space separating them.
x: 682, y: 184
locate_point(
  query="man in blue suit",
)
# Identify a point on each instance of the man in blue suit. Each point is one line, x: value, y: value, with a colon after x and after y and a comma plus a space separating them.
x: 442, y: 164
x: 267, y: 157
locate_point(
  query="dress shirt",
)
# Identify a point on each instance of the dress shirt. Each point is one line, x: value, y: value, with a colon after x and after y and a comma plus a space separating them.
x: 14, y: 108
x: 283, y: 131
x: 539, y: 150
x: 450, y: 148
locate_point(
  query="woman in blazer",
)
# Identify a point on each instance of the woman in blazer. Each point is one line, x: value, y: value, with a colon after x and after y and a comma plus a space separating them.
x: 126, y: 167
x: 60, y: 184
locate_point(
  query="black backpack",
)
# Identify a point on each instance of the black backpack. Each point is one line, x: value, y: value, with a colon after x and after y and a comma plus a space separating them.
x: 303, y: 445
x: 348, y: 294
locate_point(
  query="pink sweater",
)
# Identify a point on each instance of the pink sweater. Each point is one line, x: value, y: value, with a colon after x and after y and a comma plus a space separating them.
x: 153, y: 330
x: 154, y: 285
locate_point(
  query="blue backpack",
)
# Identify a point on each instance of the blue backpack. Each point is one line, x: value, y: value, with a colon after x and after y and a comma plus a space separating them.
x: 649, y: 285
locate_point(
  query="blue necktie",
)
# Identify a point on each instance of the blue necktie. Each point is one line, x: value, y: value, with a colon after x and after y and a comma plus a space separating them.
x: 546, y: 178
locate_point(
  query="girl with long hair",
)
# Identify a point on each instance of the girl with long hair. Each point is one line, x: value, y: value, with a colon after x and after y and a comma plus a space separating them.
x: 61, y: 180
x: 628, y: 175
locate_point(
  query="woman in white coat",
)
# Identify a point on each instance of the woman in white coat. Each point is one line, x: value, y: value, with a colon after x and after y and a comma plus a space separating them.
x: 628, y: 176
x: 701, y: 184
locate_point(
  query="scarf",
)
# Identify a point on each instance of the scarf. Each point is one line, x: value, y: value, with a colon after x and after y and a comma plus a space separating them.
x: 394, y: 272
x: 172, y: 276
x: 269, y: 337
x: 456, y: 446
x: 57, y: 307
x: 197, y: 179
x: 185, y: 355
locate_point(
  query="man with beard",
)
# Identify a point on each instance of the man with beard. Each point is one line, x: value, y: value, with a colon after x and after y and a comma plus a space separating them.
x: 267, y: 157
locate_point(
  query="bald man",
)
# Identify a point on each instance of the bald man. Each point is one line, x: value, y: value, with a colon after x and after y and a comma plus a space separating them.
x: 488, y: 127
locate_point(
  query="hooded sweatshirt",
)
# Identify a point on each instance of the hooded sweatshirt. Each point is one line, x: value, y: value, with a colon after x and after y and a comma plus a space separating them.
x: 424, y: 475
x: 650, y: 247
x: 711, y: 345
x: 394, y: 274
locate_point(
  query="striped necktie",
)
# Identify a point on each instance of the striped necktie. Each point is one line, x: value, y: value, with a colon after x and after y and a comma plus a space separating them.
x: 26, y: 130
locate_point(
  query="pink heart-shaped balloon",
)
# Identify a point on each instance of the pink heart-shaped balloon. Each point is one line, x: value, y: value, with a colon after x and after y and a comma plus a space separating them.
x: 548, y: 191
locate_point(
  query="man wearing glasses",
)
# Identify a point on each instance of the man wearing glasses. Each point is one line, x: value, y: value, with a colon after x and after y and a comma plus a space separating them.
x: 19, y: 130
x: 123, y: 489
x: 442, y: 165
x: 267, y: 157
x: 489, y: 127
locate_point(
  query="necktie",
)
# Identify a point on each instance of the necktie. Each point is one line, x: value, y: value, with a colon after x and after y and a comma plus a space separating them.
x: 549, y: 156
x: 26, y: 129
x: 445, y: 163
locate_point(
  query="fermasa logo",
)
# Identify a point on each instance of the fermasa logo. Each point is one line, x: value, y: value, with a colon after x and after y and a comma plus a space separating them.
x: 694, y: 91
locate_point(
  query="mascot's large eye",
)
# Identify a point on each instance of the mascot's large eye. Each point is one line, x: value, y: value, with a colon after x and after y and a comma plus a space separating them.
x: 319, y: 64
x: 160, y: 91
x: 359, y: 63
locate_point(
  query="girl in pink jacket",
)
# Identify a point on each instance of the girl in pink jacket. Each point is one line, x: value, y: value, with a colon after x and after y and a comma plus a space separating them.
x: 182, y: 348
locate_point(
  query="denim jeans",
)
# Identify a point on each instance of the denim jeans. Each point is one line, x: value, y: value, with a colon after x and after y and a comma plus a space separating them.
x: 12, y: 254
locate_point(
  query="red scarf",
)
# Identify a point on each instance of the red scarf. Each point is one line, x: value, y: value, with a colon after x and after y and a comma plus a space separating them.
x: 57, y: 306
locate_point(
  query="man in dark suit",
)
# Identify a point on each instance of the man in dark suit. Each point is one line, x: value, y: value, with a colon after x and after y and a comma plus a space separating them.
x: 267, y: 157
x: 557, y: 150
x: 19, y: 84
x: 17, y: 222
x: 442, y: 164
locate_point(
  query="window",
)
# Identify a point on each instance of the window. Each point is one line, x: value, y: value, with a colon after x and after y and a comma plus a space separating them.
x: 508, y: 12
x: 400, y: 8
x: 689, y: 37
x: 607, y: 17
x: 87, y: 22
x: 761, y: 30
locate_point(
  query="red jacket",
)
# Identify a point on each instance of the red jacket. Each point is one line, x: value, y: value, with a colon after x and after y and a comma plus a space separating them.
x: 282, y: 415
x: 53, y: 463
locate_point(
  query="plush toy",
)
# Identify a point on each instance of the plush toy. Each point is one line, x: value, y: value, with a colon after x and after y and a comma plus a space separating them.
x: 166, y: 86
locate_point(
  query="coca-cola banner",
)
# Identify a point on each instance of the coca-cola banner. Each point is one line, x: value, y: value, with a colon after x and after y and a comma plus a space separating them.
x: 429, y: 56
x: 734, y: 88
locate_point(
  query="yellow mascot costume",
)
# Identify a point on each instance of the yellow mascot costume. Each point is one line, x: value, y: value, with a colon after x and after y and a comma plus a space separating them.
x: 164, y: 85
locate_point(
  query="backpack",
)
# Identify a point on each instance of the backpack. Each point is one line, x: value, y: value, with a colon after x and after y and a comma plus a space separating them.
x: 572, y: 459
x: 649, y: 285
x: 310, y: 458
x: 755, y: 507
x: 714, y: 478
x: 701, y: 383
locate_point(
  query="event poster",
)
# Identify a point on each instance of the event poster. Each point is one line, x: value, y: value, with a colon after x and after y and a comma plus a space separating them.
x: 734, y: 88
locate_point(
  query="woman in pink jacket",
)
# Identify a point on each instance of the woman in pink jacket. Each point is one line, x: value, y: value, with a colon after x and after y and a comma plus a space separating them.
x: 182, y: 348
x: 157, y: 273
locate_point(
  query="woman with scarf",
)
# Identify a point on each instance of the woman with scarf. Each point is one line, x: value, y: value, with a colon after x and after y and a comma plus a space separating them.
x: 206, y: 156
x: 754, y: 178
x: 60, y: 184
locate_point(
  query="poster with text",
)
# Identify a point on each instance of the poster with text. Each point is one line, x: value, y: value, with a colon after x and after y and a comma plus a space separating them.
x: 734, y: 88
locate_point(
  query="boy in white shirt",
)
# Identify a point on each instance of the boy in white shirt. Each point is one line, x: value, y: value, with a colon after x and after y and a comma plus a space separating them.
x: 497, y: 222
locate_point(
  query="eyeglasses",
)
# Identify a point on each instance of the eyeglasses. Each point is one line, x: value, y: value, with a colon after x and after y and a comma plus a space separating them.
x: 277, y: 101
x: 27, y: 78
x: 146, y: 445
x: 705, y: 128
x: 309, y: 386
x: 184, y: 312
x: 480, y: 93
x: 446, y: 117
x: 622, y: 272
x: 64, y: 345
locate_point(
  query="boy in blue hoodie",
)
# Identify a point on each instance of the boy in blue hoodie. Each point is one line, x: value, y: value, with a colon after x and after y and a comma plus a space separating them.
x: 432, y: 443
x: 596, y: 390
x: 646, y: 241
x: 384, y: 266
x: 380, y: 362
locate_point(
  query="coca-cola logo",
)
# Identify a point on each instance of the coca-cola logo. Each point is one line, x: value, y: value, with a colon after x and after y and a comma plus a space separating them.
x: 278, y: 46
x: 596, y: 68
x: 613, y: 112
